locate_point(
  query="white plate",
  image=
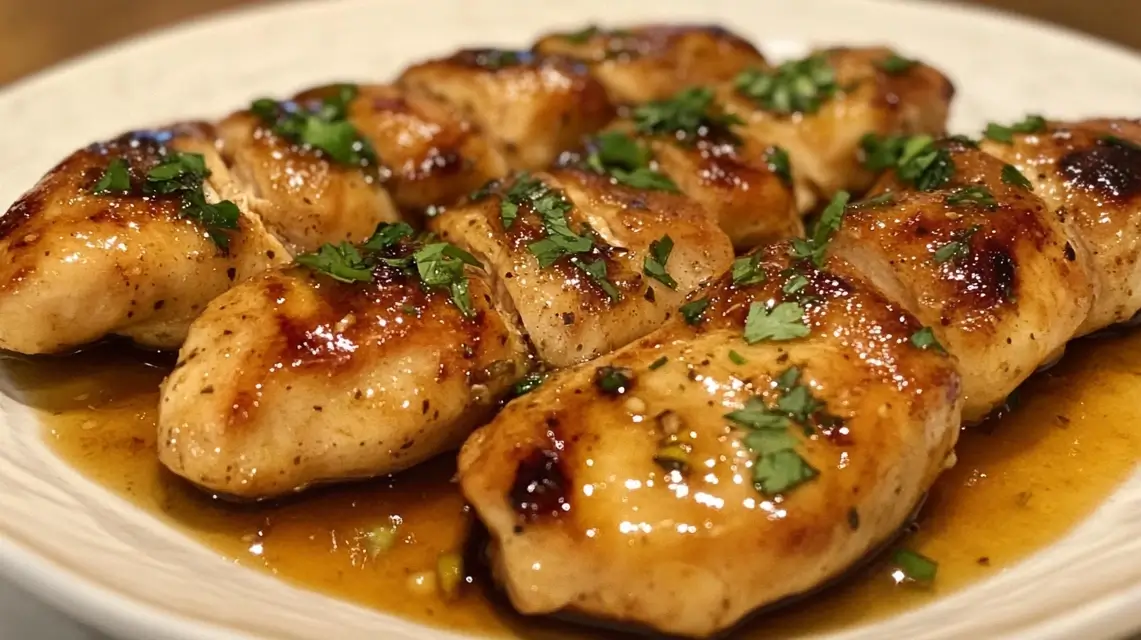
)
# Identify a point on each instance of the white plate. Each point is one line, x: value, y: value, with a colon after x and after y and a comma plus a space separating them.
x: 105, y: 562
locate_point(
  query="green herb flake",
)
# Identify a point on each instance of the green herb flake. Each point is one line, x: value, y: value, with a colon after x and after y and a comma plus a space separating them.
x: 387, y: 235
x: 925, y: 339
x: 338, y: 261
x: 797, y: 86
x: 184, y: 175
x: 1005, y: 134
x: 582, y: 36
x: 528, y: 384
x: 596, y: 271
x: 736, y: 358
x: 687, y: 115
x: 816, y: 247
x: 115, y: 179
x: 747, y: 270
x: 873, y: 203
x: 795, y: 284
x: 613, y: 380
x: 776, y: 158
x: 627, y: 162
x: 785, y: 321
x: 896, y: 64
x: 1013, y: 177
x: 694, y: 311
x: 916, y: 159
x: 323, y: 126
x: 975, y: 194
x: 1119, y: 142
x: 441, y: 265
x: 483, y: 191
x: 659, y: 363
x: 914, y: 566
x: 957, y: 248
x: 654, y: 265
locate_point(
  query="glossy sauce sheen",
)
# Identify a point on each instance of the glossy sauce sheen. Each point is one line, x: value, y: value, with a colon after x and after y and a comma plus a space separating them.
x: 1022, y: 481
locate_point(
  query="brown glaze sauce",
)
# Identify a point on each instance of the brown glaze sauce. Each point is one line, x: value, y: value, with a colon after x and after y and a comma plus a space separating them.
x: 1022, y: 481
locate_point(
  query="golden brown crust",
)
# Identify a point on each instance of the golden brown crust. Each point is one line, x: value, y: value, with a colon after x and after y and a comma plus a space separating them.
x: 566, y: 481
x: 653, y: 62
x: 533, y: 106
x: 1089, y: 172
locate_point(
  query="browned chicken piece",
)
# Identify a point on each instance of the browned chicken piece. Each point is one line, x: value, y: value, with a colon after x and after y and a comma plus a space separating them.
x: 295, y: 378
x: 653, y: 62
x: 982, y: 261
x: 819, y: 109
x: 588, y: 265
x: 1089, y: 172
x: 712, y: 468
x: 532, y: 106
x: 133, y: 259
x: 305, y: 195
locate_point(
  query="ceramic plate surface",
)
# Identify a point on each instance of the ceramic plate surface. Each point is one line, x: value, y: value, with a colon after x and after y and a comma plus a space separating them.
x: 103, y: 561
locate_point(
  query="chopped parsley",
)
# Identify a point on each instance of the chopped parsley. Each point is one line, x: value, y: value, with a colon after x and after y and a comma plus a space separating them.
x: 1012, y: 176
x: 483, y: 191
x: 582, y: 36
x: 896, y: 64
x: 184, y: 174
x: 687, y: 115
x: 338, y: 261
x: 551, y: 206
x: 797, y: 86
x: 596, y: 271
x: 925, y: 339
x: 916, y: 159
x: 115, y: 179
x: 737, y: 358
x: 872, y: 203
x: 324, y: 126
x: 914, y: 566
x: 1119, y: 142
x: 495, y: 59
x: 613, y: 380
x: 785, y: 321
x: 654, y: 264
x: 975, y: 194
x: 1005, y: 134
x: 528, y: 384
x: 777, y: 161
x: 693, y: 311
x: 777, y: 466
x: 747, y: 270
x: 795, y: 283
x: 659, y: 363
x: 627, y: 162
x: 816, y: 247
x: 958, y: 247
x: 438, y: 265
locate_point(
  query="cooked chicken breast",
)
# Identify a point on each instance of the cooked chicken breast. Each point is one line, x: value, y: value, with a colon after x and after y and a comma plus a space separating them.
x: 294, y: 378
x: 305, y: 195
x: 577, y: 305
x: 692, y: 477
x: 819, y: 109
x: 983, y: 262
x: 533, y: 106
x: 653, y: 62
x: 1089, y: 173
x: 76, y: 265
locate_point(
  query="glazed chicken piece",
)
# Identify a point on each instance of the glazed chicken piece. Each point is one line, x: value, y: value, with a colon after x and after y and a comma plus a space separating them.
x: 982, y: 261
x: 819, y: 109
x: 654, y: 62
x: 1089, y: 172
x: 133, y: 259
x: 694, y: 476
x: 295, y: 378
x: 532, y: 106
x: 402, y: 150
x: 598, y: 294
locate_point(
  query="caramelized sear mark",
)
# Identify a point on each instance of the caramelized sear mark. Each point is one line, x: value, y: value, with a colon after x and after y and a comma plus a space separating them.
x: 1110, y: 168
x: 540, y: 487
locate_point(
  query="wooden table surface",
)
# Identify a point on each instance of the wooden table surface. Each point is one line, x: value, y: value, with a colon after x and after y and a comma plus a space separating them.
x: 38, y: 33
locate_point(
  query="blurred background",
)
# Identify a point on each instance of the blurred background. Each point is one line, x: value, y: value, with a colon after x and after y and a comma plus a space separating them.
x: 38, y: 33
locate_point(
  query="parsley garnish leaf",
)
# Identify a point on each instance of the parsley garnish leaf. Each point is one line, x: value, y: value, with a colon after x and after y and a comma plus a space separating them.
x: 785, y: 321
x: 184, y: 174
x: 596, y: 271
x: 583, y: 36
x: 958, y: 247
x: 442, y: 265
x: 686, y: 115
x: 737, y: 358
x: 693, y: 311
x: 115, y: 178
x: 915, y: 566
x: 626, y: 162
x: 1012, y: 176
x: 795, y: 86
x: 816, y: 247
x: 974, y: 194
x: 915, y: 159
x: 896, y: 64
x: 339, y: 261
x: 654, y: 265
x: 777, y: 160
x: 528, y: 384
x: 324, y: 126
x: 1029, y: 124
x: 747, y: 270
x: 925, y: 339
x: 387, y: 235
